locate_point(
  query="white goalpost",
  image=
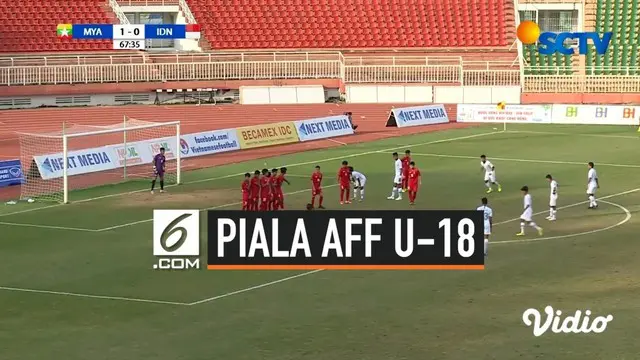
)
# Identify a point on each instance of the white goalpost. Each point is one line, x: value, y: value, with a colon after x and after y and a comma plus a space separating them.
x: 86, y: 156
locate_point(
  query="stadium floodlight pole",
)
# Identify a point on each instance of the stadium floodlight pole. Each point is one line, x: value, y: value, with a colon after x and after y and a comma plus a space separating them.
x: 65, y: 165
x: 124, y: 140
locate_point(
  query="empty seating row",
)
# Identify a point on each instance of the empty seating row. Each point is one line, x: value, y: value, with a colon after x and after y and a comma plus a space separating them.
x: 294, y: 24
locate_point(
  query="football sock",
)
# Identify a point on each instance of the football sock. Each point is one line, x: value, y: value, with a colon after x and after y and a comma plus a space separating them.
x: 533, y: 225
x: 550, y: 212
x: 161, y: 184
x: 554, y: 212
x: 592, y: 200
x: 394, y: 191
x: 486, y: 246
x: 487, y: 185
x: 355, y: 192
x: 522, y: 227
x: 320, y: 200
x: 362, y: 193
x: 313, y: 201
x: 153, y: 184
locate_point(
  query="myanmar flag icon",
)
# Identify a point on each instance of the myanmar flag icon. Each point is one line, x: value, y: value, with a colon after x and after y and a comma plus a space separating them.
x: 65, y: 31
x: 501, y: 105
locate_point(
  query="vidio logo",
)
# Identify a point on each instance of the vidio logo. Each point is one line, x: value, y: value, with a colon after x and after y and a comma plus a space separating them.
x: 176, y: 239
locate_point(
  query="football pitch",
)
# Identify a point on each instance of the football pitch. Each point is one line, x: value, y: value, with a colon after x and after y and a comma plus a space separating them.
x: 77, y: 281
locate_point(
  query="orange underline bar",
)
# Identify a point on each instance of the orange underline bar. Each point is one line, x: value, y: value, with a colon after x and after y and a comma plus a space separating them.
x: 345, y: 267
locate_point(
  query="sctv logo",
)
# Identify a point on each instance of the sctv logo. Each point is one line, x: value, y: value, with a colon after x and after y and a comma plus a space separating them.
x: 550, y: 42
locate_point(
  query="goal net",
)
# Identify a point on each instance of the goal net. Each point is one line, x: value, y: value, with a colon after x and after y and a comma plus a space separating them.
x: 84, y: 156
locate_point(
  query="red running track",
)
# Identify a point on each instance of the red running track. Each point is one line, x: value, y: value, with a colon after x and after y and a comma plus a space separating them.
x: 371, y: 119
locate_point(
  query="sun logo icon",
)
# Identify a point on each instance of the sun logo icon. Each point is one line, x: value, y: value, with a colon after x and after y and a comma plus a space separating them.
x: 528, y: 32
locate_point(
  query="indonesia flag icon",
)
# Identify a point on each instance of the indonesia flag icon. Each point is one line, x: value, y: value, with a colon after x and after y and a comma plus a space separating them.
x: 192, y: 31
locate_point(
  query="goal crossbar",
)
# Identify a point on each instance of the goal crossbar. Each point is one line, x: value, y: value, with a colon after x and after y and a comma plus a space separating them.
x: 105, y: 131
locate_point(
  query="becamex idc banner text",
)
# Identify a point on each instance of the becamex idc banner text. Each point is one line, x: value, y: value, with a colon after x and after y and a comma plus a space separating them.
x: 322, y: 128
x: 268, y: 134
x: 418, y: 115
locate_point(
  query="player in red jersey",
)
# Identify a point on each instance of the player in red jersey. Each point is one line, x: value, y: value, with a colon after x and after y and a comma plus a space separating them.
x: 278, y: 203
x: 265, y: 190
x: 316, y: 188
x: 344, y: 179
x: 415, y: 180
x: 272, y: 185
x: 246, y: 192
x: 406, y: 160
x: 255, y: 191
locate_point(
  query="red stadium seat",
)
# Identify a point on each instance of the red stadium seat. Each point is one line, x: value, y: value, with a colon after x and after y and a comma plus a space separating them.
x: 36, y: 21
x: 297, y: 24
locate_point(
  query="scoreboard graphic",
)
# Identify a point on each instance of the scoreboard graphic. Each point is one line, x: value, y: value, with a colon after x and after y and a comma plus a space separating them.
x: 129, y: 36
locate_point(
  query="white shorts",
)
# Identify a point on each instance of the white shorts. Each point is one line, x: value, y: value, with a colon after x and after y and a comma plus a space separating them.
x: 553, y: 199
x: 397, y: 179
x: 490, y: 176
x: 592, y: 188
x: 487, y: 230
x: 361, y: 184
x: 527, y: 215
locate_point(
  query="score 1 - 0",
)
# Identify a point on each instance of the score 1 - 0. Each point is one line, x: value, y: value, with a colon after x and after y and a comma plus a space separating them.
x: 128, y: 32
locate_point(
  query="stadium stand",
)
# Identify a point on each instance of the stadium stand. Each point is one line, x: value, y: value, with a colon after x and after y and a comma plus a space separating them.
x: 345, y: 24
x: 622, y: 17
x: 618, y: 16
x: 36, y: 21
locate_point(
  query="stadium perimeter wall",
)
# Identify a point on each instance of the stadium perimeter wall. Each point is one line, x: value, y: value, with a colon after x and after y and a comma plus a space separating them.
x: 371, y: 119
x: 587, y: 98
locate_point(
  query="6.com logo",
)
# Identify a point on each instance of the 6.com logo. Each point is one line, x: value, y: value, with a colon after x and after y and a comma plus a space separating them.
x: 176, y: 239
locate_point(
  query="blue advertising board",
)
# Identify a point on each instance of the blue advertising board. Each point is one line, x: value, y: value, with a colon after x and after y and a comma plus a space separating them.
x: 10, y: 173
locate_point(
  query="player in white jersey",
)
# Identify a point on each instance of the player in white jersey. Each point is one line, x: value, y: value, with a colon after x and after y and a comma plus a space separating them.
x: 527, y: 214
x: 359, y: 180
x: 487, y: 218
x: 592, y: 185
x: 489, y: 174
x: 553, y: 197
x: 396, y: 192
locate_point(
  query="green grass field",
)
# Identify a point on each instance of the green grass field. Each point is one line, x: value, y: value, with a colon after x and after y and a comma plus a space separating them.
x: 77, y: 280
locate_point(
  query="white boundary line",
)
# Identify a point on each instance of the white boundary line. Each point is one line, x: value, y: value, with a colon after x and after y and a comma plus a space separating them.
x: 240, y: 174
x: 621, y: 222
x: 214, y: 298
x: 211, y: 208
x: 48, y: 227
x: 256, y: 287
x: 559, y: 162
x: 63, y: 293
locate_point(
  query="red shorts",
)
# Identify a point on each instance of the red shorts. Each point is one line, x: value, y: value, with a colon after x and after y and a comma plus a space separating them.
x: 412, y: 187
x: 345, y: 186
x: 255, y: 200
x: 279, y: 194
x: 265, y: 198
x: 316, y: 192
